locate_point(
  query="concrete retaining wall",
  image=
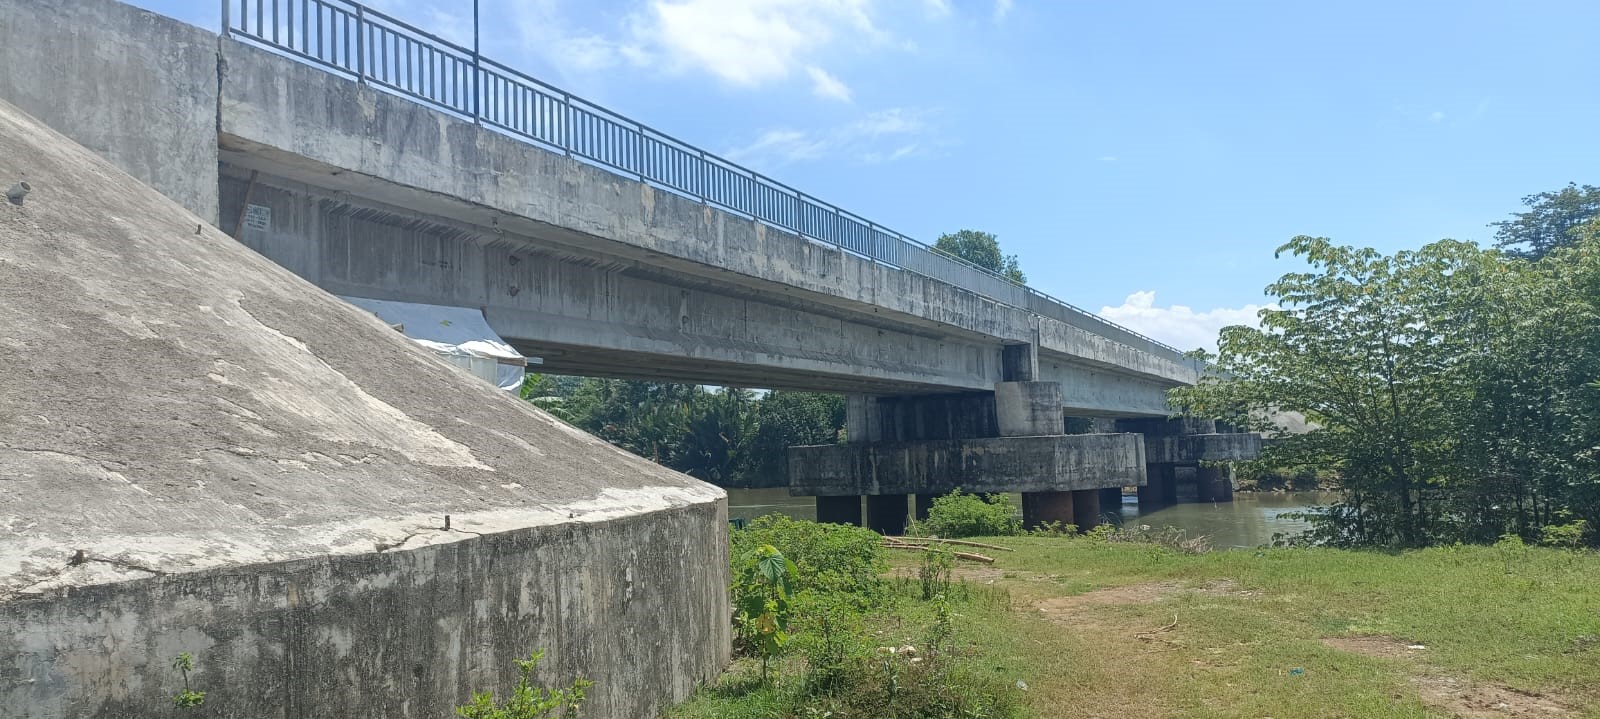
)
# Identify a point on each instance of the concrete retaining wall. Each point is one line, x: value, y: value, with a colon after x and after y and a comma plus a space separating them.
x: 139, y: 89
x: 633, y: 604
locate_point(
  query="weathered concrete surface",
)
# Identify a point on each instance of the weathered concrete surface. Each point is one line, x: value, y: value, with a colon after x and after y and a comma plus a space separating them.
x: 275, y: 116
x: 588, y: 313
x: 1025, y: 409
x: 1202, y: 448
x: 992, y: 464
x: 202, y: 452
x: 136, y: 87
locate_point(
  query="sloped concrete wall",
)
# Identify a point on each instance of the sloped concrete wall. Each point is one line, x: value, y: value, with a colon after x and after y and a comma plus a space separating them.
x: 137, y: 88
x: 633, y: 604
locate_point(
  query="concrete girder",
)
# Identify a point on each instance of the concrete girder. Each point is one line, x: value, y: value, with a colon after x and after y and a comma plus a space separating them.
x: 1056, y: 463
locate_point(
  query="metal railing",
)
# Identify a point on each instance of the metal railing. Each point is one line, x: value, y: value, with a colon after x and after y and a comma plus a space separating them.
x: 380, y: 50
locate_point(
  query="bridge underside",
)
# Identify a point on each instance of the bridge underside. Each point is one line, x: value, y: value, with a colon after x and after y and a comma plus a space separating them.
x: 590, y: 307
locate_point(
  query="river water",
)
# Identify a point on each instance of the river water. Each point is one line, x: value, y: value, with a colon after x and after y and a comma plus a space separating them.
x: 1249, y: 520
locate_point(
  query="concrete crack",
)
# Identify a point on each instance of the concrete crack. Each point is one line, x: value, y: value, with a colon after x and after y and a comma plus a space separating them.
x: 386, y: 546
x: 78, y: 559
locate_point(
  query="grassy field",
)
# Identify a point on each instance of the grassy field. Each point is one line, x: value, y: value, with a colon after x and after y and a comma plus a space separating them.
x: 1111, y: 629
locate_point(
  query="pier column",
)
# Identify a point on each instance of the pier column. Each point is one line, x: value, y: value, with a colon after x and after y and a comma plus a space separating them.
x: 1032, y: 409
x: 1111, y: 499
x: 1160, y: 488
x: 839, y: 510
x: 1086, y: 509
x: 886, y: 514
x: 1214, y: 483
x: 862, y: 423
x: 1041, y: 508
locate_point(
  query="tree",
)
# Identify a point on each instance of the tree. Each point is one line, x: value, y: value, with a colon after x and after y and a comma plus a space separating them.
x: 981, y: 249
x: 785, y: 419
x: 1554, y: 219
x: 1446, y: 384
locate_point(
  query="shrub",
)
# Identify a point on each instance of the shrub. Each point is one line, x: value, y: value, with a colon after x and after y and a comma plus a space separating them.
x: 958, y: 514
x: 898, y: 683
x: 1566, y: 536
x: 938, y: 563
x: 527, y: 701
x: 828, y: 558
x: 763, y: 594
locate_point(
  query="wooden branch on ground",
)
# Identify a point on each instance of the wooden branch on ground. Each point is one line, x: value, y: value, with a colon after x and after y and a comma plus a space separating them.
x: 950, y: 541
x: 958, y: 555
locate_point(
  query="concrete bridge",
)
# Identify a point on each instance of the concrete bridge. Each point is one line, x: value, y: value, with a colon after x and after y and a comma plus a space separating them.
x: 377, y: 160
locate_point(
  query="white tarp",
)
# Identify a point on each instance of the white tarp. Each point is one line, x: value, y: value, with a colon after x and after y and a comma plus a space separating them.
x: 459, y: 334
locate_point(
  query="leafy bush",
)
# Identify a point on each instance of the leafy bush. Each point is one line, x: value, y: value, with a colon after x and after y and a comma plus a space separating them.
x: 938, y: 563
x: 1567, y: 536
x: 763, y: 592
x: 828, y: 558
x: 898, y: 683
x: 958, y: 514
x: 527, y: 701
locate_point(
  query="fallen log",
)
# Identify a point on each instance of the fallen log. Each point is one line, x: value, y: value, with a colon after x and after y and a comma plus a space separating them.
x: 950, y: 541
x: 958, y: 555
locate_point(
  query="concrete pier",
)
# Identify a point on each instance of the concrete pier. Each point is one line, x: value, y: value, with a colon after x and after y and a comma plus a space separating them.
x: 1190, y: 443
x: 1007, y: 440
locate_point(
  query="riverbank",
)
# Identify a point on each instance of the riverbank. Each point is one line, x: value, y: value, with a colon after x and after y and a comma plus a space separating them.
x: 1251, y: 520
x: 1107, y: 629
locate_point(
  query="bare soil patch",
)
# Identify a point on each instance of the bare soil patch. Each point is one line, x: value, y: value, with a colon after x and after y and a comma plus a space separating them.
x: 1130, y: 594
x: 1472, y: 700
x: 1460, y: 697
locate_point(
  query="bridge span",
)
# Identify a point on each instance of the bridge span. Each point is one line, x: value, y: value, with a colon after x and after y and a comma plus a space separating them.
x: 378, y: 160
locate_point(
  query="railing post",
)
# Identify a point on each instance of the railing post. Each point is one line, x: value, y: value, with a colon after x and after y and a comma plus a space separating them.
x: 477, y: 69
x: 566, y: 124
x: 361, y: 44
x: 701, y: 183
x: 227, y: 18
x: 638, y: 131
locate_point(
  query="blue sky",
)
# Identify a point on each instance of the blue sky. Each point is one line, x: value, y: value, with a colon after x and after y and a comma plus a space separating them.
x: 1120, y: 148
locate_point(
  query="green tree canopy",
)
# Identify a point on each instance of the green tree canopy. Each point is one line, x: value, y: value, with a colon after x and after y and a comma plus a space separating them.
x: 1554, y: 219
x: 727, y: 436
x: 981, y: 249
x: 1448, y: 387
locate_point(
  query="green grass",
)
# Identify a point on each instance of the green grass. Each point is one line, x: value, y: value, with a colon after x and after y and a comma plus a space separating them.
x: 1492, y: 618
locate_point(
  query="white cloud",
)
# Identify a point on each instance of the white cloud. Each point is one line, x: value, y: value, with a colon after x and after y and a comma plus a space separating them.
x: 1178, y: 325
x: 749, y: 43
x: 827, y: 86
x: 1436, y: 116
x: 781, y: 146
x: 547, y: 32
x: 879, y: 136
x: 1002, y: 8
x: 937, y: 8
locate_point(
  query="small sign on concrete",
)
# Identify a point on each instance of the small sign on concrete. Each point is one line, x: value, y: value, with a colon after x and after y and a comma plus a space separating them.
x: 257, y: 217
